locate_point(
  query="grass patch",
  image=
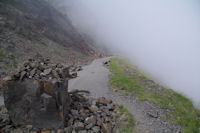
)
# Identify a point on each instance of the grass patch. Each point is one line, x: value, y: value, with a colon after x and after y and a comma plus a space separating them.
x: 128, y: 128
x: 180, y: 109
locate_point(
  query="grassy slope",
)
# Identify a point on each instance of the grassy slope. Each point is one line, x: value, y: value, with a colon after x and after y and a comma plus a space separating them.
x: 130, y: 80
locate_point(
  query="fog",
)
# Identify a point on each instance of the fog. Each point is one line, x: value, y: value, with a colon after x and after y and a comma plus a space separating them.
x: 160, y: 37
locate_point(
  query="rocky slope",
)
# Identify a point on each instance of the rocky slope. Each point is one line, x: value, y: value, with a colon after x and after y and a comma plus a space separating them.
x: 30, y: 28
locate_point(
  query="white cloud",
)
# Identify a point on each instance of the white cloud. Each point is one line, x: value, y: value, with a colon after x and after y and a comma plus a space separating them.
x: 161, y: 37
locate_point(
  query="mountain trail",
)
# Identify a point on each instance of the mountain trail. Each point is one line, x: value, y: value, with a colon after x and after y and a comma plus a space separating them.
x: 148, y: 118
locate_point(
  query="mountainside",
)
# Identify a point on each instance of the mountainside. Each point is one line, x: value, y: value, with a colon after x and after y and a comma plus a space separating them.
x: 30, y: 28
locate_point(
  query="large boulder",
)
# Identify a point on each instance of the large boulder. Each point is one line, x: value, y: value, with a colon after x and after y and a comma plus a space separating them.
x: 38, y: 99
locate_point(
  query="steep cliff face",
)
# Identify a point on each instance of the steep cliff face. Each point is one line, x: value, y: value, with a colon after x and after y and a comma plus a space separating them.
x: 34, y: 27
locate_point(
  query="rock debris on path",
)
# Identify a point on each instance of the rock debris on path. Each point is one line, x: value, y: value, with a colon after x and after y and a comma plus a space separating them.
x: 149, y: 118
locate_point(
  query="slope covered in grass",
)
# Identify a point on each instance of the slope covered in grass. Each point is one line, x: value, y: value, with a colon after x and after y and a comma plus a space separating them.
x: 125, y: 78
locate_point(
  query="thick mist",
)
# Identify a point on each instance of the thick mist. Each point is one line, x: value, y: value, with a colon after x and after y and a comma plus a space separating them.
x: 161, y: 37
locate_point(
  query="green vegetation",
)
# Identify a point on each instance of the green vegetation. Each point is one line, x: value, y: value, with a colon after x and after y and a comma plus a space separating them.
x: 127, y: 128
x: 8, y: 60
x: 127, y: 79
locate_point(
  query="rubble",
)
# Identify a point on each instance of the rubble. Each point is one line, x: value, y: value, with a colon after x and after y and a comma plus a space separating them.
x: 81, y: 118
x: 35, y: 96
x: 37, y: 100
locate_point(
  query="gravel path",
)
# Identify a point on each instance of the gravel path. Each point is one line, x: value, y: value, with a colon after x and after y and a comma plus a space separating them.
x: 148, y: 118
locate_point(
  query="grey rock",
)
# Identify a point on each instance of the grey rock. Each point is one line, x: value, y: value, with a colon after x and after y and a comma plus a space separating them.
x: 93, y: 108
x: 22, y: 100
x: 153, y: 114
x: 33, y: 64
x: 74, y: 112
x: 22, y: 75
x: 33, y: 72
x: 60, y: 131
x: 116, y: 130
x: 110, y: 107
x: 14, y: 131
x: 90, y: 131
x: 96, y: 129
x: 91, y: 119
x: 74, y: 131
x: 47, y: 71
x: 78, y: 126
x: 68, y: 129
x: 29, y: 126
x: 55, y: 74
x: 89, y: 126
x: 82, y: 131
x: 123, y: 117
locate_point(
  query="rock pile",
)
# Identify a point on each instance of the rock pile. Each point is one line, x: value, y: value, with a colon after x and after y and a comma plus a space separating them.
x: 37, y: 100
x: 41, y: 69
x: 37, y: 94
x: 86, y: 115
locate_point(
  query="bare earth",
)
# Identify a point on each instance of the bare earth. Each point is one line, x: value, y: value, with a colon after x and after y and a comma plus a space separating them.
x: 148, y: 118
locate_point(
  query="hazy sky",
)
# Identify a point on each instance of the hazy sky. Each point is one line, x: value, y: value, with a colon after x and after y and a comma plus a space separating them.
x: 161, y: 37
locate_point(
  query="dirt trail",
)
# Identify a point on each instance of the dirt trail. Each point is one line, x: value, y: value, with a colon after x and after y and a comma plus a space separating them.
x: 148, y: 118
